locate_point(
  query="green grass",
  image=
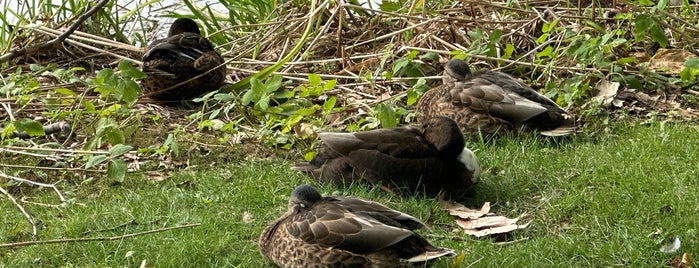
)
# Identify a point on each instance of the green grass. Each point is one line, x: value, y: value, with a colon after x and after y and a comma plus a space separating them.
x: 593, y: 201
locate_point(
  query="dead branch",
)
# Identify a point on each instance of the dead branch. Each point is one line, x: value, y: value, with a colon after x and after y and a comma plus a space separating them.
x: 89, y: 239
x: 57, y: 42
x: 21, y: 208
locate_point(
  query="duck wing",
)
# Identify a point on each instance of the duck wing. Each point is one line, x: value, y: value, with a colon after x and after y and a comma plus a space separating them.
x: 483, y: 96
x: 399, y: 142
x: 331, y: 225
x: 188, y: 45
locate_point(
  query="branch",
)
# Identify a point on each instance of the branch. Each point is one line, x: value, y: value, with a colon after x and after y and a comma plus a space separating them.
x: 88, y: 239
x: 56, y: 42
x: 21, y: 208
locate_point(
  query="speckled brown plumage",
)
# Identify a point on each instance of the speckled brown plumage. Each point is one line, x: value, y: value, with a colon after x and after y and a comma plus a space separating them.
x: 343, y: 231
x: 490, y: 101
x: 430, y: 159
x: 183, y: 55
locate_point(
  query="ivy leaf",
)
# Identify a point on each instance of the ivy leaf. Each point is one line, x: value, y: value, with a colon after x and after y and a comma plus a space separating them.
x: 116, y: 170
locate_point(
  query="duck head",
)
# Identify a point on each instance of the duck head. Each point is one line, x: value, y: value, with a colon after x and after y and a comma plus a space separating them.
x: 303, y: 196
x: 455, y: 70
x: 183, y: 25
x: 445, y: 135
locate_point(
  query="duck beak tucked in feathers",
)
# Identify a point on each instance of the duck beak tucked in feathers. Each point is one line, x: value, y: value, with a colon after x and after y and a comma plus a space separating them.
x: 489, y: 102
x: 345, y: 231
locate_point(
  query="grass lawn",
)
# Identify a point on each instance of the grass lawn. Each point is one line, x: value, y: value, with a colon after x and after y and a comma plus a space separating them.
x: 604, y: 201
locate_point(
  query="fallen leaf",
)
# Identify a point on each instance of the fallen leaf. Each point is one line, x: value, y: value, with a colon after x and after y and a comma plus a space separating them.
x: 606, y: 91
x: 247, y: 217
x: 157, y: 176
x: 681, y: 261
x: 670, y: 60
x: 496, y: 230
x: 486, y: 222
x: 462, y: 211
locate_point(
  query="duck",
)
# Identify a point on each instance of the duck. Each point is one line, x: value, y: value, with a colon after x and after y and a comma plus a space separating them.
x: 427, y: 159
x: 345, y: 231
x: 491, y: 102
x: 183, y: 65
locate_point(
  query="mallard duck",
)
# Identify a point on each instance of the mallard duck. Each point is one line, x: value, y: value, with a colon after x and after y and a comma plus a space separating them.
x: 490, y: 101
x: 431, y: 159
x: 344, y: 231
x: 183, y: 56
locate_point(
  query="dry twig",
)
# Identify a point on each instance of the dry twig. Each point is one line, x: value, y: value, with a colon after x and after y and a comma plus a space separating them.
x: 57, y: 42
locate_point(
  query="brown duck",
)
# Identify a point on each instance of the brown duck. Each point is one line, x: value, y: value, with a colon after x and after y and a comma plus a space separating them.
x: 344, y: 231
x: 490, y: 101
x: 431, y: 158
x: 182, y: 66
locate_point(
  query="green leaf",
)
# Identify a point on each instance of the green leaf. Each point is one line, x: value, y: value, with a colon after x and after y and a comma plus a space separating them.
x: 65, y: 91
x: 314, y: 79
x: 116, y: 170
x: 412, y: 96
x: 387, y: 115
x: 31, y: 127
x: 643, y: 23
x: 129, y: 71
x: 547, y: 52
x: 119, y: 149
x: 95, y: 160
x: 692, y: 63
x: 659, y: 35
x: 547, y: 27
x: 329, y: 104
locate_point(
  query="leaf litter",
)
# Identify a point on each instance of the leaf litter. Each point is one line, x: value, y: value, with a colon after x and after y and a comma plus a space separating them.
x: 480, y: 222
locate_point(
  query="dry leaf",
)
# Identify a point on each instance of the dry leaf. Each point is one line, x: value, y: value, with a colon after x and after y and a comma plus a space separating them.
x: 606, y: 91
x: 303, y: 130
x: 462, y: 211
x: 247, y: 217
x: 670, y: 60
x: 683, y: 261
x: 486, y: 222
x: 157, y: 176
x: 496, y: 230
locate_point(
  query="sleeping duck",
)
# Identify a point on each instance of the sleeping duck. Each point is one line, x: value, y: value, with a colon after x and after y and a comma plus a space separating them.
x: 490, y: 101
x: 344, y: 231
x: 182, y: 66
x: 429, y: 159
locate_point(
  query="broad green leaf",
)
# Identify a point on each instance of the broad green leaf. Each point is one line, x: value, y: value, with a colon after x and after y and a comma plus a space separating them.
x: 31, y: 127
x: 65, y: 91
x: 329, y: 104
x: 129, y: 71
x: 95, y: 160
x: 643, y: 23
x: 119, y: 149
x: 314, y: 79
x: 659, y: 35
x: 547, y: 52
x: 116, y: 170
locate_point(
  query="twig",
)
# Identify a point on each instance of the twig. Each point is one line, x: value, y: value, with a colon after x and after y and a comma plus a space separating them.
x: 56, y: 42
x: 21, y: 208
x: 88, y: 239
x: 52, y: 186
